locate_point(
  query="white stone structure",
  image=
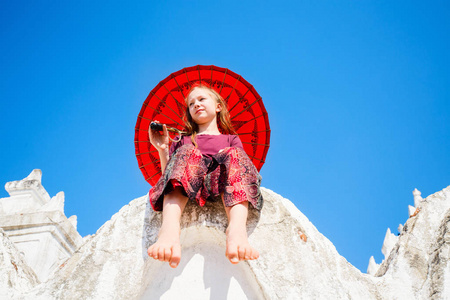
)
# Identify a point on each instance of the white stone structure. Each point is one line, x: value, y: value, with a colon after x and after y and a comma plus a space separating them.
x: 37, y: 226
x: 417, y: 198
x: 373, y: 266
x: 15, y: 275
x: 389, y: 242
x: 296, y: 261
x: 411, y: 210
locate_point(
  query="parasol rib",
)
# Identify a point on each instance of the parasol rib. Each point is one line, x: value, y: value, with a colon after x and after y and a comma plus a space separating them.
x: 250, y: 143
x: 234, y: 87
x: 245, y: 133
x: 237, y: 102
x: 247, y: 108
x: 223, y: 80
x: 179, y: 87
x: 252, y: 157
x: 181, y: 118
x: 158, y: 112
x: 212, y: 70
x: 181, y: 90
x: 255, y: 118
x: 142, y: 141
x: 187, y: 77
x: 147, y: 152
x: 153, y: 161
x: 153, y: 176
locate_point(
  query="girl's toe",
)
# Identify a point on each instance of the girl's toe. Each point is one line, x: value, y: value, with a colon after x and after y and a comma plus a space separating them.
x: 242, y: 251
x: 176, y: 256
x: 167, y: 254
x: 153, y: 252
x: 161, y: 254
x: 232, y: 254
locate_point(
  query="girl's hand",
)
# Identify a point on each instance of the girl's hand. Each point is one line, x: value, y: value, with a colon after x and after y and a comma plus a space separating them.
x: 159, y: 140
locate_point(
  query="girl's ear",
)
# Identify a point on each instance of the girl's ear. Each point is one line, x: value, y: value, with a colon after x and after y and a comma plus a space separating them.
x: 219, y: 107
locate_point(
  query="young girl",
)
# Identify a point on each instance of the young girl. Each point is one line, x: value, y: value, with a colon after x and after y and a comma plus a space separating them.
x: 204, y: 165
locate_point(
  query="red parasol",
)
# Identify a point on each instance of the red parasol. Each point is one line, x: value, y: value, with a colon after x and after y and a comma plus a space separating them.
x: 166, y: 104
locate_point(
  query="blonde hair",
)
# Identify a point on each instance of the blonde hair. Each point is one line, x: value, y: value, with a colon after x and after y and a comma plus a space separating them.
x: 223, y: 116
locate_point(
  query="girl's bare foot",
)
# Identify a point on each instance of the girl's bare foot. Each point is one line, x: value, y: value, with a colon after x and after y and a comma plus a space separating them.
x: 167, y: 247
x: 238, y: 247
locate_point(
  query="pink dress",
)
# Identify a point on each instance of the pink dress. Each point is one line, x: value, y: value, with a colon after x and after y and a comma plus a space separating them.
x: 204, y: 173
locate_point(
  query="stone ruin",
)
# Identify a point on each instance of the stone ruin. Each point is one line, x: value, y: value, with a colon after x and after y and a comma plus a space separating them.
x: 43, y: 257
x: 37, y: 225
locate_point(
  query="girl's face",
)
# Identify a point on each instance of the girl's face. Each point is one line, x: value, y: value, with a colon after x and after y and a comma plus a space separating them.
x: 203, y: 107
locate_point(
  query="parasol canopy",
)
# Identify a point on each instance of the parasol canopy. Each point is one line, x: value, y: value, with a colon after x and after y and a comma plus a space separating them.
x: 166, y: 103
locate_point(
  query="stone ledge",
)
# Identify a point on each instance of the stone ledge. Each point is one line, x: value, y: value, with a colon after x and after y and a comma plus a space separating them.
x: 39, y: 219
x: 30, y: 183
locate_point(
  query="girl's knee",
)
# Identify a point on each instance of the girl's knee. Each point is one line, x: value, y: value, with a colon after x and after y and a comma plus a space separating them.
x: 177, y: 193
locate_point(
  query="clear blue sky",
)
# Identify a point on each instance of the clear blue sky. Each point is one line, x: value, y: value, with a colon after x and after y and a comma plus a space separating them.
x: 357, y: 93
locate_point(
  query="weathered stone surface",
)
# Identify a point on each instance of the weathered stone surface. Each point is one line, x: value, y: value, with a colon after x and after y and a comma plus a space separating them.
x: 109, y: 265
x: 37, y: 224
x: 437, y: 285
x: 417, y: 267
x: 373, y: 266
x: 113, y: 264
x: 389, y: 241
x: 15, y: 275
x: 26, y: 195
x: 296, y: 262
x: 46, y: 239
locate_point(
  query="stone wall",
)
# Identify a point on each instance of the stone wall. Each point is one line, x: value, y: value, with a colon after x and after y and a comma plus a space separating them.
x: 296, y: 261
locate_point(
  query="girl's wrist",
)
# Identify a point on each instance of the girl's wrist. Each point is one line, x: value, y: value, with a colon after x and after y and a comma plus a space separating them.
x: 163, y: 151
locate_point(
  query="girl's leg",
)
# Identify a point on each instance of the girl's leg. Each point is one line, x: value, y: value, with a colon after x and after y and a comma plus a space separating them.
x: 238, y: 247
x: 167, y: 247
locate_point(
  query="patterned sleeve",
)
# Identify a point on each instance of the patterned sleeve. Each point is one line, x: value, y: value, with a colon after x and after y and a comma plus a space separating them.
x: 175, y: 146
x: 236, y: 142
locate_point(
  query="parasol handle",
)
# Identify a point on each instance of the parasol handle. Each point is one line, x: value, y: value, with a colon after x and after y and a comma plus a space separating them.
x: 156, y: 126
x: 159, y: 127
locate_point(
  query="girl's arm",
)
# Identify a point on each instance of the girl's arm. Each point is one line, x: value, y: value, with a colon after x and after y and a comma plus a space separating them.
x: 163, y: 158
x: 161, y: 143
